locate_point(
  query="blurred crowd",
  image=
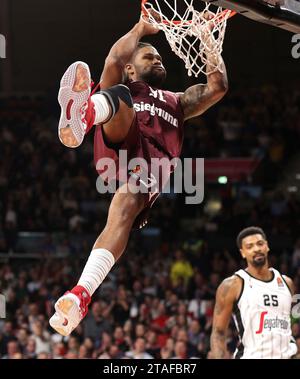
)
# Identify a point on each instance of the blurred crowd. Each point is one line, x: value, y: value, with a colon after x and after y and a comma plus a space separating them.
x: 156, y: 305
x: 44, y: 186
x: 256, y: 122
x: 158, y: 301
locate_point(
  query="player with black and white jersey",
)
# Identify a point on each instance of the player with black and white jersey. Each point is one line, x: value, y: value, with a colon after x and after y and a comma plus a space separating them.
x: 260, y: 299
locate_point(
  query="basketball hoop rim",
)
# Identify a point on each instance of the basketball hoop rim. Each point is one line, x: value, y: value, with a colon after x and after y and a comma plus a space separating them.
x: 219, y: 18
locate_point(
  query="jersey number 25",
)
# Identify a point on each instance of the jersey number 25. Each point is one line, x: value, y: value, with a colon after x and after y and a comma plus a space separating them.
x: 271, y: 300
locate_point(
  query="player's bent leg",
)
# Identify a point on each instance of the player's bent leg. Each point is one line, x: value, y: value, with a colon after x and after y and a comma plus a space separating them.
x: 117, y: 128
x: 80, y: 111
x: 72, y: 307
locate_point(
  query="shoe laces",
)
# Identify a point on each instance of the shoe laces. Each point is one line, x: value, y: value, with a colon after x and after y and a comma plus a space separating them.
x: 95, y: 88
x: 84, y: 110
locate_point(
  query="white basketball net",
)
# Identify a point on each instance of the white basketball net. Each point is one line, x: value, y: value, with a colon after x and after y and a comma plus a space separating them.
x: 195, y: 39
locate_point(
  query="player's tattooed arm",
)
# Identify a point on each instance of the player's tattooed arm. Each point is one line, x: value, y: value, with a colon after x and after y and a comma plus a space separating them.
x: 227, y: 294
x: 198, y: 98
x: 218, y: 341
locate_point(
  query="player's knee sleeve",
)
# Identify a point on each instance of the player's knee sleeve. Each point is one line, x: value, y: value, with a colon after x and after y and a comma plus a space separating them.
x: 115, y: 93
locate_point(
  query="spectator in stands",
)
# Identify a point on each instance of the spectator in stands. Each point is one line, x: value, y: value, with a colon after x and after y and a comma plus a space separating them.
x: 41, y: 338
x: 139, y: 350
x: 95, y: 324
x: 181, y: 268
x: 12, y: 350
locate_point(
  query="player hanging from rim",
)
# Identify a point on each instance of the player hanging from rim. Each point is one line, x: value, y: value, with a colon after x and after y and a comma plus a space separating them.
x: 123, y: 122
x: 260, y: 299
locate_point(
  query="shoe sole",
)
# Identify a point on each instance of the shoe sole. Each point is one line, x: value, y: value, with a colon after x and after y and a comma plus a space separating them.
x: 75, y: 89
x: 63, y: 308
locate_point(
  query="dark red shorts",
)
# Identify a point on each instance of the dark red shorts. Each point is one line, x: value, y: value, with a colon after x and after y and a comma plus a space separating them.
x: 136, y: 145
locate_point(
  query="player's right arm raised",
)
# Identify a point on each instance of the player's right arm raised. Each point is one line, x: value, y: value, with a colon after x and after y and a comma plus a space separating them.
x: 121, y: 53
x: 200, y: 97
x: 227, y: 294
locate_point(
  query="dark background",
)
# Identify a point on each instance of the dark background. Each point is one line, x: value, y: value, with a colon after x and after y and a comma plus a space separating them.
x: 44, y: 37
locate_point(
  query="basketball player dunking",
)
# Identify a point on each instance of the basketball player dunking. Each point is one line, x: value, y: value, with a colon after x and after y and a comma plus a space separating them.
x: 137, y: 117
x: 260, y: 300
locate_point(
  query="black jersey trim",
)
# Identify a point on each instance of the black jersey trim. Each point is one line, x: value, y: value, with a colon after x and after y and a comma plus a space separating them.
x: 242, y: 289
x: 260, y: 280
x: 240, y: 351
x: 287, y: 285
x: 241, y: 330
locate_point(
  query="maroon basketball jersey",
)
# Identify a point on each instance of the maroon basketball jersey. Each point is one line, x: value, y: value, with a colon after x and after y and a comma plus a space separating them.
x: 156, y: 132
x: 160, y: 117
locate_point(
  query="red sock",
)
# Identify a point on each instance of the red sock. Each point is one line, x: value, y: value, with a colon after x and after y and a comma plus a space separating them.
x: 90, y: 115
x: 84, y: 297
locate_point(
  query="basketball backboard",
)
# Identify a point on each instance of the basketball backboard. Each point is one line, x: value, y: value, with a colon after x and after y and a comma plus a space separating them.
x: 283, y: 14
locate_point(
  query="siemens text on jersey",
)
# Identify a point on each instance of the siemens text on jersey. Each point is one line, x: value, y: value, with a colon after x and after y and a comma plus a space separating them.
x: 142, y: 107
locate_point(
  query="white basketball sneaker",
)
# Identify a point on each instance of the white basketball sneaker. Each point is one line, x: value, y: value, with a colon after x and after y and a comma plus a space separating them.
x: 77, y: 109
x: 70, y: 309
